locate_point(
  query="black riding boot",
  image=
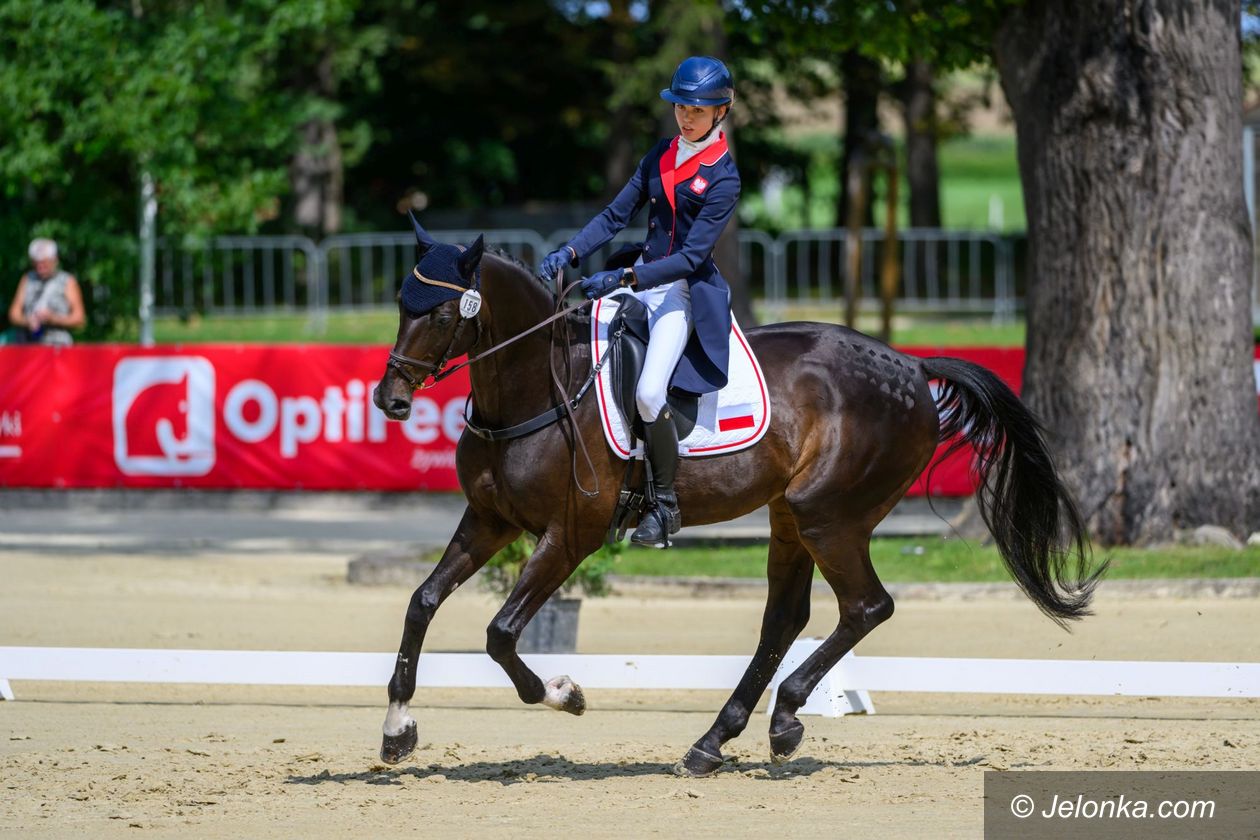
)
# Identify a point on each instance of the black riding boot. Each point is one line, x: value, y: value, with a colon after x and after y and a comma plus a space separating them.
x: 663, y: 518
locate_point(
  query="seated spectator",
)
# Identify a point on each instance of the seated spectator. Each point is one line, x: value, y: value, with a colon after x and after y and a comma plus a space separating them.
x: 48, y: 302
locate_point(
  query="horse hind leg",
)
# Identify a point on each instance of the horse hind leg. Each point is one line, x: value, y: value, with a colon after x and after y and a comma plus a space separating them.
x: 475, y: 541
x: 790, y: 575
x: 843, y: 556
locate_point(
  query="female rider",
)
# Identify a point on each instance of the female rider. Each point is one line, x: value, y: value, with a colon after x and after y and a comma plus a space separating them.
x: 690, y: 185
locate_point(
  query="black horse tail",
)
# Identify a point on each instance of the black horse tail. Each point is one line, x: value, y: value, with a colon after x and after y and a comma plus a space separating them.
x: 1034, y: 521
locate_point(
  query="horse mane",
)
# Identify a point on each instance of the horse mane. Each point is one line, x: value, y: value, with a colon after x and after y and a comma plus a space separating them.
x: 504, y: 255
x: 581, y: 318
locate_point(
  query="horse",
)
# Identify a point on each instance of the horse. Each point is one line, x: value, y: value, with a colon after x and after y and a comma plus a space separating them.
x: 854, y: 423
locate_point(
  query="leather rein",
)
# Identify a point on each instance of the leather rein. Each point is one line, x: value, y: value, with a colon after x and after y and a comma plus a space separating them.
x: 437, y: 371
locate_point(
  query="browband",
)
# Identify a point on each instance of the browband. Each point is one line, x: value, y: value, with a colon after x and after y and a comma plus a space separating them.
x: 432, y: 282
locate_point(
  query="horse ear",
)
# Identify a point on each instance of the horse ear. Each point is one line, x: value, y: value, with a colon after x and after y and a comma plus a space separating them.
x: 472, y: 256
x: 423, y: 240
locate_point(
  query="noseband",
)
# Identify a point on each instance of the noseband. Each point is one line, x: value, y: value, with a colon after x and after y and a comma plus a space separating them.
x: 436, y: 371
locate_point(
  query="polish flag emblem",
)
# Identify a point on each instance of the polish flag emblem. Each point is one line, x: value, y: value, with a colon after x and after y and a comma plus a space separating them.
x: 698, y: 185
x: 734, y: 417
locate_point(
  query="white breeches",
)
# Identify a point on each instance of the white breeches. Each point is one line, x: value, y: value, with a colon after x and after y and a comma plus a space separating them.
x: 669, y: 326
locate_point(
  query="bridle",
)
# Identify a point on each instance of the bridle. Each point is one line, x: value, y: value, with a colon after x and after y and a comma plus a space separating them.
x: 401, y: 363
x: 437, y: 371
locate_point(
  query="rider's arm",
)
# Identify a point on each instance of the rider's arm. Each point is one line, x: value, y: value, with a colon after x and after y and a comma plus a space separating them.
x: 617, y: 214
x: 719, y: 204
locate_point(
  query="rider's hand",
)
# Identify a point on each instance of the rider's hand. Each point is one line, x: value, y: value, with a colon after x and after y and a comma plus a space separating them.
x: 555, y: 262
x: 602, y: 282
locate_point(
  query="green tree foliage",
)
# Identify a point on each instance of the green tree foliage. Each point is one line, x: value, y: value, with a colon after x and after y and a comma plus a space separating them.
x: 197, y: 94
x: 949, y: 33
x: 794, y: 50
x: 469, y: 105
x: 482, y: 104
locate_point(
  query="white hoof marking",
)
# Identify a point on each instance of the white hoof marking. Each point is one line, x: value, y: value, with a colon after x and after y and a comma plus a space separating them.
x: 558, y: 691
x: 397, y: 720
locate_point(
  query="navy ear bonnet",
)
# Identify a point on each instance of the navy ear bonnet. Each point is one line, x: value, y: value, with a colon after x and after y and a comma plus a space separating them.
x: 434, y: 280
x: 439, y: 275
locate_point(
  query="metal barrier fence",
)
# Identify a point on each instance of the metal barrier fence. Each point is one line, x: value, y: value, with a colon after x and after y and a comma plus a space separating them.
x: 942, y: 271
x: 237, y: 273
x: 365, y: 269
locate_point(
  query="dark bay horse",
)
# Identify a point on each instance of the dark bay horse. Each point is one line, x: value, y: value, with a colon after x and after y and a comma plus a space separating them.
x: 854, y: 423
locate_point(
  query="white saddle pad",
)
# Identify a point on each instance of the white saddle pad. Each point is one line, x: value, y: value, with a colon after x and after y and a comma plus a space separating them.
x: 729, y: 420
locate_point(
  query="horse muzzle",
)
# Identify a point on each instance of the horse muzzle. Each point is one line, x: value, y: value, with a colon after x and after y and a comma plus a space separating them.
x: 392, y: 397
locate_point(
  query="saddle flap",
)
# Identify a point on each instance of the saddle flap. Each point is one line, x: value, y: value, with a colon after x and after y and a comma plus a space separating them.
x: 628, y: 356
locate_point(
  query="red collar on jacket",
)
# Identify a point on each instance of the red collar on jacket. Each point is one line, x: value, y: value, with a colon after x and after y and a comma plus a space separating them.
x: 671, y: 175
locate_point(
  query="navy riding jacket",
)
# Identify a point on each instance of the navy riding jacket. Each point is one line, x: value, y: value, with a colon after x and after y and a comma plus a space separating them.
x: 688, y: 208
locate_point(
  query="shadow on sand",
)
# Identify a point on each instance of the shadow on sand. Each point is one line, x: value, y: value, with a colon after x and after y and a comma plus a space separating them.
x: 551, y: 768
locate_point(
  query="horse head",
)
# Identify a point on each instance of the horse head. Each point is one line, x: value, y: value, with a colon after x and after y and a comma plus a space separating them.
x: 438, y: 318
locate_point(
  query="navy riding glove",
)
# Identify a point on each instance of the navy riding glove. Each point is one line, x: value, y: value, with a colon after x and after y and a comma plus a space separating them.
x: 555, y: 262
x: 601, y: 283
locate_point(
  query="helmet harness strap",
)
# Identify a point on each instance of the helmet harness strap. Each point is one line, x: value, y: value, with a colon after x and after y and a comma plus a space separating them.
x: 717, y: 122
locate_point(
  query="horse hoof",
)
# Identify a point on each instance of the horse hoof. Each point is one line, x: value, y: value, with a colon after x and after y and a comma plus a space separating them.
x: 697, y: 764
x: 394, y: 748
x: 564, y: 695
x: 784, y: 745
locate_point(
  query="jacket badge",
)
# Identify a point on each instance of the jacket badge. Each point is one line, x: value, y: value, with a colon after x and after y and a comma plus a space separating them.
x: 698, y: 185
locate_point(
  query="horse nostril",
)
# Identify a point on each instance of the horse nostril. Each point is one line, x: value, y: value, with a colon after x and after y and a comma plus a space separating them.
x: 376, y: 398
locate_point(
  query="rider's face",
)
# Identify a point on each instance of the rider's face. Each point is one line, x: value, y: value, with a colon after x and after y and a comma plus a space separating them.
x: 694, y: 121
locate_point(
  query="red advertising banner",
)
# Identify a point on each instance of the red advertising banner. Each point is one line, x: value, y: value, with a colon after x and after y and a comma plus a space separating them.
x: 257, y: 416
x: 283, y: 417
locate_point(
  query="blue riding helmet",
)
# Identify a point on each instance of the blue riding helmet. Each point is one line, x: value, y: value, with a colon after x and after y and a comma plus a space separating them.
x: 700, y: 80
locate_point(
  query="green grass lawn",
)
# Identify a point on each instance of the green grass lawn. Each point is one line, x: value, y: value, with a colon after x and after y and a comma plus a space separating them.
x: 377, y: 326
x: 366, y: 326
x: 980, y: 187
x: 944, y: 560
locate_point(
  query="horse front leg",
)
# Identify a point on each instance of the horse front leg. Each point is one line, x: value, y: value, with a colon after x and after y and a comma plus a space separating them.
x: 550, y: 565
x: 478, y: 537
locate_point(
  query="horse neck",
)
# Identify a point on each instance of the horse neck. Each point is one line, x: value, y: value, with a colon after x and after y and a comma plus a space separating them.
x: 512, y: 384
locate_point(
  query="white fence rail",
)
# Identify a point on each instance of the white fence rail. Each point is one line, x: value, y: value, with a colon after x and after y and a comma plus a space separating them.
x: 845, y: 688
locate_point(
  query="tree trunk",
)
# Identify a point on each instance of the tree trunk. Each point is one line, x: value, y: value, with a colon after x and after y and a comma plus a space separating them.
x: 918, y: 99
x: 621, y: 160
x: 862, y: 84
x: 1128, y: 115
x: 317, y: 173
